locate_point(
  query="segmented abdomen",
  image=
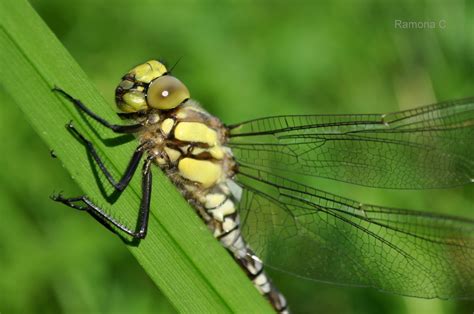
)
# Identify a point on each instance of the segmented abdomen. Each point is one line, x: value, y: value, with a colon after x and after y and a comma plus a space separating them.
x: 192, y: 152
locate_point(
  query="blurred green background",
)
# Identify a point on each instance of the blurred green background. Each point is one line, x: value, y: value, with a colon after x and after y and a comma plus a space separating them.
x: 240, y: 60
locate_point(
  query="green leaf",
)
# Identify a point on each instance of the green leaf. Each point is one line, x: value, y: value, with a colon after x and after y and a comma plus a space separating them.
x: 179, y: 253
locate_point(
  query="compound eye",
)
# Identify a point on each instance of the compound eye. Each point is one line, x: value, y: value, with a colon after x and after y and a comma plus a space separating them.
x: 166, y: 92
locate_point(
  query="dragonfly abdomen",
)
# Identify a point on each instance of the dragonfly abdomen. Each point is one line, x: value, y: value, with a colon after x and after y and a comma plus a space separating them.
x: 225, y: 226
x: 190, y: 148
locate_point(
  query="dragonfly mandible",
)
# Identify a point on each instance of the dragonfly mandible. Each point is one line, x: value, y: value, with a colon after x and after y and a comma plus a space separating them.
x: 240, y: 180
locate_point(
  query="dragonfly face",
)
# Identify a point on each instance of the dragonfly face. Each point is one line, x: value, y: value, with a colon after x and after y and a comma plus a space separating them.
x: 149, y: 86
x: 238, y: 179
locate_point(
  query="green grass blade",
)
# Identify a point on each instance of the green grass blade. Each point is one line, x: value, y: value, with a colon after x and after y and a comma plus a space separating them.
x: 179, y: 254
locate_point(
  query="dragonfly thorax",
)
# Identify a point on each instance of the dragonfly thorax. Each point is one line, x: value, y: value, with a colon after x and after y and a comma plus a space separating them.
x: 189, y: 145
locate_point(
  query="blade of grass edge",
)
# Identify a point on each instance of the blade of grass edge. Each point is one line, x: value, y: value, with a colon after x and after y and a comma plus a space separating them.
x: 179, y: 254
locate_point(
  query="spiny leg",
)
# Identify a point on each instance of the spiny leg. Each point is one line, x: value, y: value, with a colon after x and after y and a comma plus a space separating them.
x: 95, y: 211
x: 132, y: 128
x: 129, y: 171
x: 100, y: 215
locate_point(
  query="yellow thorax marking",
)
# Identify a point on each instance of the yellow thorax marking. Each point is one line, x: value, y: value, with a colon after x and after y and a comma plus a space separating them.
x: 195, y: 132
x: 166, y: 126
x: 173, y: 154
x: 202, y: 171
x: 217, y: 152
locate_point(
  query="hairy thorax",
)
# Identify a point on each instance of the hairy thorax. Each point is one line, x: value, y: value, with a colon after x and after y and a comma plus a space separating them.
x: 189, y: 145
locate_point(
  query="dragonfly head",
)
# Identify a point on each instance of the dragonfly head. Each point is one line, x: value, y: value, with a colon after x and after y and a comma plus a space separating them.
x: 149, y: 86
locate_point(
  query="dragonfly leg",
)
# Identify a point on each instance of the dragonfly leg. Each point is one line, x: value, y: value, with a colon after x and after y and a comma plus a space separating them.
x: 139, y: 232
x: 129, y: 171
x: 132, y: 128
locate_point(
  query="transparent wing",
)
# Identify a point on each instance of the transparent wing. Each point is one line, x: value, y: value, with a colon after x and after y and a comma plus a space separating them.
x: 427, y: 147
x: 321, y: 236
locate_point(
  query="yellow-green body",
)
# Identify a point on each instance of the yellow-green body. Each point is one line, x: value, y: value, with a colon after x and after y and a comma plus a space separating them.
x: 189, y: 145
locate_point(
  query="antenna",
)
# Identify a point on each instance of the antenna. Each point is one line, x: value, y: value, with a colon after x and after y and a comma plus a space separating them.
x: 174, y: 65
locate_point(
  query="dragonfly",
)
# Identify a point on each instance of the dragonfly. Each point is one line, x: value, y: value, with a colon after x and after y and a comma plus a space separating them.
x: 246, y: 181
